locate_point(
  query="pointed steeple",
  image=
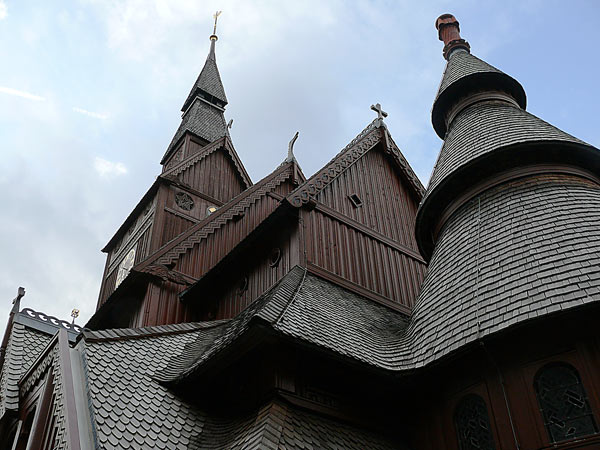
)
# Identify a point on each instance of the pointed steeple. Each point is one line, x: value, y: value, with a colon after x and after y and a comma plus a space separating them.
x: 208, y: 86
x: 204, y: 106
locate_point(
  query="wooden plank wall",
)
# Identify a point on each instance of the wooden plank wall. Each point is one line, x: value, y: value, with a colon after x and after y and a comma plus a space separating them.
x: 371, y: 245
x: 388, y: 206
x: 215, y: 175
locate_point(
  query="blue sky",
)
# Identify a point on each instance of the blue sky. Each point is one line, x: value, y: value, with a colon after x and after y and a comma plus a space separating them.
x: 90, y: 93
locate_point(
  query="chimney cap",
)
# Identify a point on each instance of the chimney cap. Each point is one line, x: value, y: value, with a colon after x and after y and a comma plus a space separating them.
x: 449, y: 32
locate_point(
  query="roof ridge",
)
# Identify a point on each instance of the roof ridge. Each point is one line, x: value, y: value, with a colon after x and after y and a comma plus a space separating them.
x: 111, y: 334
x: 222, y: 215
x: 223, y: 142
x: 267, y: 307
x: 317, y: 182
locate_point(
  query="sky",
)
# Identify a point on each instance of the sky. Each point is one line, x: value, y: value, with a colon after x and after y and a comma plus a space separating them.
x: 91, y: 92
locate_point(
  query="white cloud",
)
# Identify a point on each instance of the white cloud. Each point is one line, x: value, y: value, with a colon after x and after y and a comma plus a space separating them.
x: 85, y: 112
x: 108, y: 168
x: 11, y: 91
x: 3, y: 9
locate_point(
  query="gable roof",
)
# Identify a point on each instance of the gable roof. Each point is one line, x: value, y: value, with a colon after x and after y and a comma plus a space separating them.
x: 234, y: 208
x: 131, y: 409
x: 368, y: 138
x: 221, y: 143
x: 308, y: 308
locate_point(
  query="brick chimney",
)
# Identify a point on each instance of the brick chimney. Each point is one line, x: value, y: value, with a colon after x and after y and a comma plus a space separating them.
x: 449, y: 32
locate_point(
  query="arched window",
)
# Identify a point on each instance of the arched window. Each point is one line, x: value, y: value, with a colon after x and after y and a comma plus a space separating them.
x: 473, y: 424
x: 563, y: 403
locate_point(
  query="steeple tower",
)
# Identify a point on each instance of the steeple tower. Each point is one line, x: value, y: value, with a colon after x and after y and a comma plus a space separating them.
x: 509, y: 223
x: 480, y: 113
x: 204, y: 106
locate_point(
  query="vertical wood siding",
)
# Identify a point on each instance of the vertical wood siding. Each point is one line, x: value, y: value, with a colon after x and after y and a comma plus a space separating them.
x: 347, y: 252
x: 387, y: 204
x: 206, y: 253
x: 261, y: 276
x: 215, y: 175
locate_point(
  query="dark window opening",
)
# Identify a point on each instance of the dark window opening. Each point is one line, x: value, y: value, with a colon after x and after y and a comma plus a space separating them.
x: 356, y: 201
x: 275, y: 257
x: 243, y: 287
x: 472, y: 424
x: 563, y: 403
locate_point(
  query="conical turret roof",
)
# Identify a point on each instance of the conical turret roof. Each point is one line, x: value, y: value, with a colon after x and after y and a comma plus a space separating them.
x: 465, y: 74
x: 479, y: 111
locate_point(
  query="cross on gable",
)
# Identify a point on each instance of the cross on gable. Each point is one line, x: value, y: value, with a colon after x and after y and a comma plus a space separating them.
x: 380, y: 112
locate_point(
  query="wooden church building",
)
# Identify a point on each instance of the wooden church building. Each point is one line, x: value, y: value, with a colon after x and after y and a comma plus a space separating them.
x: 354, y: 309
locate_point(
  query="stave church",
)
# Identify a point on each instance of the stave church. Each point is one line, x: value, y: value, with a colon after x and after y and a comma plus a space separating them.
x: 354, y: 309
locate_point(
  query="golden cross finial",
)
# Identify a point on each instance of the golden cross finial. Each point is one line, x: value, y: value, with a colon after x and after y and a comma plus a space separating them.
x: 216, y: 16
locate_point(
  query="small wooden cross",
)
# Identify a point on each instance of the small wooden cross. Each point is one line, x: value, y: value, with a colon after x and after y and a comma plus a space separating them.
x: 380, y: 112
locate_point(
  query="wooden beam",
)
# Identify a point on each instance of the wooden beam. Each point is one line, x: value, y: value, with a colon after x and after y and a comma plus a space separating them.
x: 385, y: 301
x: 369, y: 232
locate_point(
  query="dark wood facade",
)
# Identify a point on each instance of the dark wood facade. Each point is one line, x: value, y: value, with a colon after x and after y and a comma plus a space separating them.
x: 503, y: 373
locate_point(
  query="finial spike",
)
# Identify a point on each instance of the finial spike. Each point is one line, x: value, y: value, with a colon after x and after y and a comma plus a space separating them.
x: 230, y: 124
x: 74, y: 315
x: 17, y: 300
x: 216, y: 15
x: 290, y: 155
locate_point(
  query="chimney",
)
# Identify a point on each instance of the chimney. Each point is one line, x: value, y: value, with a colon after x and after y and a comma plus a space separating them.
x: 449, y: 32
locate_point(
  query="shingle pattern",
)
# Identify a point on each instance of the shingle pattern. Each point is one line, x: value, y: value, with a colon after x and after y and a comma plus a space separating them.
x: 309, y: 308
x: 486, y: 127
x: 537, y: 246
x: 130, y: 409
x: 203, y: 120
x: 535, y: 243
x: 280, y: 426
x: 462, y: 64
x: 209, y: 79
x: 268, y: 308
x: 24, y: 346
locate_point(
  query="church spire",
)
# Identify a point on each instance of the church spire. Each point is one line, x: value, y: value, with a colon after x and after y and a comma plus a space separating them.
x: 204, y: 106
x: 208, y: 86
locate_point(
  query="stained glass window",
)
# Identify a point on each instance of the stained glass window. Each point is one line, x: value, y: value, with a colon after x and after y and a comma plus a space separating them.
x: 563, y: 403
x: 473, y: 424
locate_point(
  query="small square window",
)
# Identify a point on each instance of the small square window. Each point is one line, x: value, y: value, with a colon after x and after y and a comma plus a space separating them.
x: 356, y: 201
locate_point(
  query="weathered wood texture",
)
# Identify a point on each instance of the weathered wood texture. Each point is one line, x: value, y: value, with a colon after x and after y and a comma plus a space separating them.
x: 503, y: 375
x: 214, y: 175
x: 205, y: 250
x: 371, y: 245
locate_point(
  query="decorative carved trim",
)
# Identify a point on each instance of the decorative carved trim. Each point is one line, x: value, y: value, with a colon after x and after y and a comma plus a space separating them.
x: 191, y: 160
x: 196, y: 157
x: 357, y: 147
x: 412, y: 178
x: 218, y: 219
x: 59, y: 323
x: 361, y: 144
x: 162, y: 272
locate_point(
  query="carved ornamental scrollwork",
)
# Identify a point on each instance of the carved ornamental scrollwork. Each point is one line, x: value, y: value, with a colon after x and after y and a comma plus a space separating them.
x: 362, y: 143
